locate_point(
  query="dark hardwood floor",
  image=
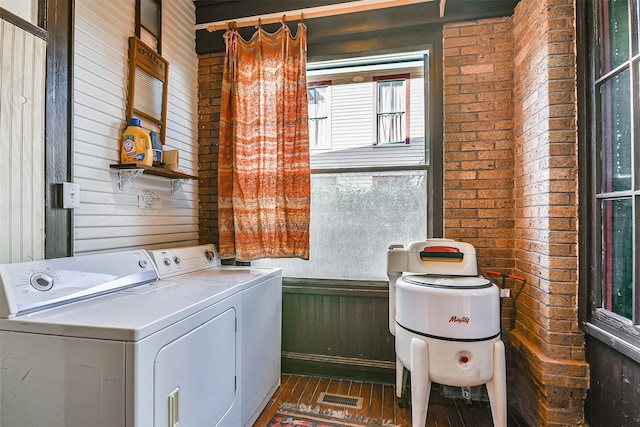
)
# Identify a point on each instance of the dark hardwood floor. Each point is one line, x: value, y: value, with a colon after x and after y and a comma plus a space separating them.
x: 379, y: 403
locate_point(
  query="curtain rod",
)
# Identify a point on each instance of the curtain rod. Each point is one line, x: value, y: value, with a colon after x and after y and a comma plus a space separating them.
x: 313, y: 12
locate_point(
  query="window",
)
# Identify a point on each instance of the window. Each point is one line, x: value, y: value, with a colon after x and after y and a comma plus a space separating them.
x: 33, y: 16
x: 614, y: 150
x: 364, y: 197
x: 149, y: 23
x: 29, y: 10
x: 391, y: 109
x: 319, y: 95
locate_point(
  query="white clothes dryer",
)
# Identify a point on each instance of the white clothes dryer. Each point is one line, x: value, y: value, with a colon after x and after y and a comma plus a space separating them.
x: 259, y: 317
x: 97, y: 340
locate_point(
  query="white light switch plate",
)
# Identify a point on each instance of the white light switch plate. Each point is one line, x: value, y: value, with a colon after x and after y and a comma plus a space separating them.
x: 70, y: 195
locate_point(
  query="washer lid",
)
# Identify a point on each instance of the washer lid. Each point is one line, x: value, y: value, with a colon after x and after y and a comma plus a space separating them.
x: 452, y: 282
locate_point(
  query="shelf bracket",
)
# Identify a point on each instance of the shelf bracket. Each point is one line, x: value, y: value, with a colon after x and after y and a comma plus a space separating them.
x: 127, y: 175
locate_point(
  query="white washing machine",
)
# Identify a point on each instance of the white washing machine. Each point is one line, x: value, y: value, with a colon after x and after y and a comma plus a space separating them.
x: 259, y: 318
x: 96, y: 340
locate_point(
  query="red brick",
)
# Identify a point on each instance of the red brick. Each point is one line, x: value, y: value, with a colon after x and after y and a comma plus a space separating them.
x: 524, y: 194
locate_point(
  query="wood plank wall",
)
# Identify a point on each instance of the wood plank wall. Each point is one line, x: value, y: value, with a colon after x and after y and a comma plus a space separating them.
x: 109, y: 218
x: 614, y: 397
x: 340, y: 329
x: 22, y: 99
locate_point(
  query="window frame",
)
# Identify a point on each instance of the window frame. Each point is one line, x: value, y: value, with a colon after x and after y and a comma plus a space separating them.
x: 38, y: 29
x: 617, y: 331
x: 406, y: 78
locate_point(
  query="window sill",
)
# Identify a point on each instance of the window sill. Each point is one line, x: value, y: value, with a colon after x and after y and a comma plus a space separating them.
x: 353, y: 288
x: 617, y: 342
x: 391, y: 145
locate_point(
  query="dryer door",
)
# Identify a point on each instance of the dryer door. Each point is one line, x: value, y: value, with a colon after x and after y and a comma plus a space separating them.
x: 194, y: 375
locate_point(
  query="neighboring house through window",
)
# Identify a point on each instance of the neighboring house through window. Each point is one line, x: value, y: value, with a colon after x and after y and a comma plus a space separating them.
x: 614, y: 150
x: 392, y: 94
x: 319, y: 119
x: 368, y: 186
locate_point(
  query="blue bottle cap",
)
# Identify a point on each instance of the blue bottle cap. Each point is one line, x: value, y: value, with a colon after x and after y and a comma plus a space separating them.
x: 134, y: 122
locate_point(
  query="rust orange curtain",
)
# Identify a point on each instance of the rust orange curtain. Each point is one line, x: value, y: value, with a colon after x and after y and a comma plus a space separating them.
x: 263, y: 165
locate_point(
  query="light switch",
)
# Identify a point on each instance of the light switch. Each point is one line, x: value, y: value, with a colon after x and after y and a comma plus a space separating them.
x: 70, y: 195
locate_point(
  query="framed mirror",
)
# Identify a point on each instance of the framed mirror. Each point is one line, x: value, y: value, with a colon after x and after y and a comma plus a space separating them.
x: 148, y: 87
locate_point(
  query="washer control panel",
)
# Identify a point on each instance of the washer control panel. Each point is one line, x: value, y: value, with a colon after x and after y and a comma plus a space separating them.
x: 31, y: 286
x: 175, y: 261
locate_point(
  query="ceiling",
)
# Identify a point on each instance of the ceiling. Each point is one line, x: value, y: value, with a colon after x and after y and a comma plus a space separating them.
x: 326, y: 32
x: 222, y: 10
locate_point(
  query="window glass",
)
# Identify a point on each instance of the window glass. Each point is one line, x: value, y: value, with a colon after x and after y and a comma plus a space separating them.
x: 617, y: 252
x: 612, y: 95
x: 613, y: 34
x: 391, y: 111
x: 25, y: 9
x: 149, y: 23
x: 150, y: 16
x: 319, y: 101
x: 615, y: 133
x: 364, y: 197
x: 354, y: 219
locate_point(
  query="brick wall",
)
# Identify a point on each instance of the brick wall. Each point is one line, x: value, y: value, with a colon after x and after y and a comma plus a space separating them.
x: 478, y: 142
x: 511, y: 189
x: 209, y: 87
x: 548, y: 338
x: 478, y: 138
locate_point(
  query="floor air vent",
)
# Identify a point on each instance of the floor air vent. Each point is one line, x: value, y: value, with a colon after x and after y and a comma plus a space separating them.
x: 340, y: 400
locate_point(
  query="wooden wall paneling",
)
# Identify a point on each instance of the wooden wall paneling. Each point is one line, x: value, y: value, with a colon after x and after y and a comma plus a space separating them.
x: 33, y: 125
x: 337, y: 329
x: 630, y: 391
x: 614, y: 396
x: 22, y: 80
x: 182, y: 118
x: 110, y: 218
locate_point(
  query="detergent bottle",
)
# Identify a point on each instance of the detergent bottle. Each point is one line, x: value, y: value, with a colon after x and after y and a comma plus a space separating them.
x: 136, y: 145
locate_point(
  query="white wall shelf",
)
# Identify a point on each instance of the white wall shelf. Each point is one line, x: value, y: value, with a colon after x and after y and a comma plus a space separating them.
x: 128, y: 173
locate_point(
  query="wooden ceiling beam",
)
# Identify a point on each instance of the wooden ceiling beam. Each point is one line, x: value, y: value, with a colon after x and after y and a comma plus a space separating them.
x: 312, y: 12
